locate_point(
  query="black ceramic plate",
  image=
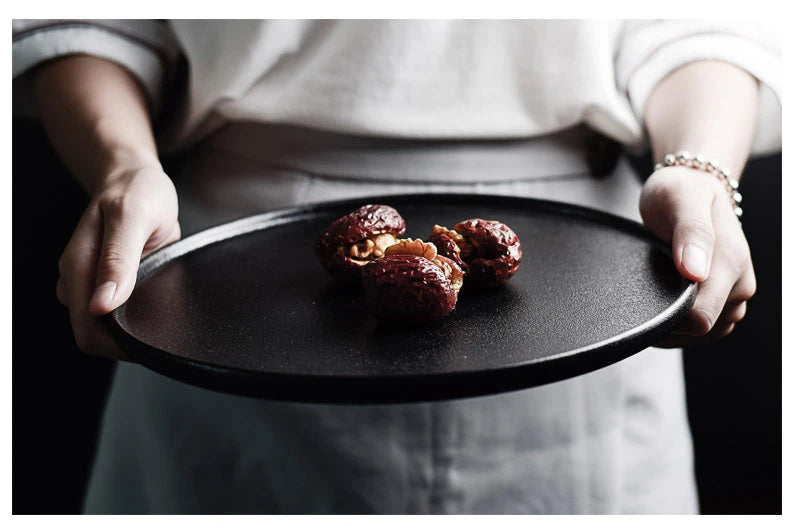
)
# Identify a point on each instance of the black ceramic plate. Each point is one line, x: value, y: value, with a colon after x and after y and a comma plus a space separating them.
x: 246, y: 307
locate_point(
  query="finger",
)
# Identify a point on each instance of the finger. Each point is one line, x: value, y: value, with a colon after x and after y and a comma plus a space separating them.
x: 124, y: 236
x: 736, y: 254
x: 687, y: 340
x: 731, y: 276
x: 175, y: 234
x: 155, y: 242
x: 77, y: 277
x: 745, y: 288
x: 693, y: 235
x: 91, y: 337
x: 75, y: 285
x: 734, y: 312
x: 61, y: 291
x: 711, y: 298
x: 78, y: 262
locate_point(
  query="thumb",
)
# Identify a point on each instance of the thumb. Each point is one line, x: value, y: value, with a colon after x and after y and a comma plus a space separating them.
x: 693, y: 235
x: 123, y: 241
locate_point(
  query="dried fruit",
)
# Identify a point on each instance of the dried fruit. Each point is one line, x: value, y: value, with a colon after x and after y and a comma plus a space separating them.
x: 449, y: 243
x: 354, y: 240
x: 489, y: 252
x: 412, y: 283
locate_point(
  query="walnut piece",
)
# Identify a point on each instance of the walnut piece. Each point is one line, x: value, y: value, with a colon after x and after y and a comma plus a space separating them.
x: 413, y: 247
x: 368, y: 249
x: 451, y: 270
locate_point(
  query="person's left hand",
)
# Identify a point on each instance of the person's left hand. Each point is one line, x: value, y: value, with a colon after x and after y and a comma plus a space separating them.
x: 692, y: 211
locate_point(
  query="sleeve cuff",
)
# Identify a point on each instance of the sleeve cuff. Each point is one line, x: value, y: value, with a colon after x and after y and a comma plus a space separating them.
x: 144, y: 61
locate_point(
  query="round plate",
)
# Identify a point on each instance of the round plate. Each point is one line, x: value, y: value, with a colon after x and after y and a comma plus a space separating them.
x: 246, y: 307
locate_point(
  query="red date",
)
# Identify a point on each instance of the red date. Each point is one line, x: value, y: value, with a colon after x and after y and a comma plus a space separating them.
x: 489, y: 252
x: 412, y: 283
x: 354, y: 240
x: 448, y: 243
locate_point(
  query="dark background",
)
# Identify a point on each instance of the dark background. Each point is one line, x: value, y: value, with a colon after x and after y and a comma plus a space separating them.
x: 733, y: 386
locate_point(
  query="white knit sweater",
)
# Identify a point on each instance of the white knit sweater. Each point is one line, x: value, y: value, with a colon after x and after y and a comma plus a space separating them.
x: 413, y: 79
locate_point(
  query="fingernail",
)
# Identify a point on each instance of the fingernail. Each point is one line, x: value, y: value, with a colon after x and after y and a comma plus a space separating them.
x: 695, y: 260
x: 103, y: 294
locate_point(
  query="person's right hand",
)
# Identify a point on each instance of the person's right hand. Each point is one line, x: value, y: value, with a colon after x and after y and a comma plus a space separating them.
x: 133, y: 212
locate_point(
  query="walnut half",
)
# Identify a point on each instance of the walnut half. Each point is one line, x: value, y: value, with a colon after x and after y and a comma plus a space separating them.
x: 368, y: 249
x: 423, y: 249
x: 413, y: 247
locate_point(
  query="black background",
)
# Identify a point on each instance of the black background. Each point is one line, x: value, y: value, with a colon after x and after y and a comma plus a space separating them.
x: 733, y: 386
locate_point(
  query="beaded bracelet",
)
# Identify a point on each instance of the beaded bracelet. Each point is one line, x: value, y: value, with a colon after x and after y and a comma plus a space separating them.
x: 698, y: 162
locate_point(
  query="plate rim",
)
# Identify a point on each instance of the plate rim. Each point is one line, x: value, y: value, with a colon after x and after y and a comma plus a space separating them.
x: 225, y: 378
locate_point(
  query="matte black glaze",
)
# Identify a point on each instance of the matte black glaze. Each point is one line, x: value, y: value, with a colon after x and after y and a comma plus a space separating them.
x: 246, y: 308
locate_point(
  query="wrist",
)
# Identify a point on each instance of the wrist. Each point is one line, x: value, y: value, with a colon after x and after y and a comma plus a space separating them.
x: 698, y: 162
x: 123, y: 163
x: 119, y: 153
x: 734, y: 162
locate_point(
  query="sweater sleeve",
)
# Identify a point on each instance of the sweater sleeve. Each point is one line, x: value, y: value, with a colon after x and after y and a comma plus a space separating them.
x: 647, y: 51
x: 146, y: 48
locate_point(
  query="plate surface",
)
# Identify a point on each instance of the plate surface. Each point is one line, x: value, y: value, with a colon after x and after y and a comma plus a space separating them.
x: 246, y: 307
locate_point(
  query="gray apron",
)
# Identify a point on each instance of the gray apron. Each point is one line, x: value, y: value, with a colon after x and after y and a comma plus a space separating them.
x: 612, y: 441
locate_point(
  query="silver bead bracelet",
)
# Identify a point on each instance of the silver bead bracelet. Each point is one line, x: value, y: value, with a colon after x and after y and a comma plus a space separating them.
x: 698, y: 162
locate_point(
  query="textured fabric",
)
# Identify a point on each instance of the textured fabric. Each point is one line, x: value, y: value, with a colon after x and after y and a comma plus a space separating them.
x: 649, y: 50
x: 366, y: 158
x: 146, y: 48
x: 612, y: 441
x: 432, y: 79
